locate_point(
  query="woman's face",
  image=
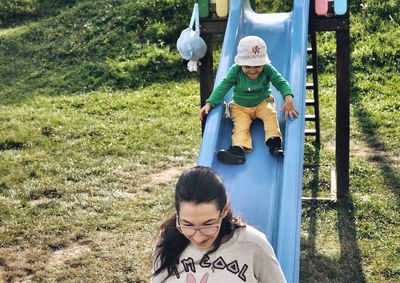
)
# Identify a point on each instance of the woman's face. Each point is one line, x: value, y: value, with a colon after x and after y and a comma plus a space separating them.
x: 200, y: 215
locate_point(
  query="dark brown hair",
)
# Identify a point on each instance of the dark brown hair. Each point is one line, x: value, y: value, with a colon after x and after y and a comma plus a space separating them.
x: 197, y: 185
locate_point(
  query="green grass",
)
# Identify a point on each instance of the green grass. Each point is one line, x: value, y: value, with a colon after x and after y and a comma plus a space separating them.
x: 92, y: 142
x: 73, y: 172
x: 355, y: 240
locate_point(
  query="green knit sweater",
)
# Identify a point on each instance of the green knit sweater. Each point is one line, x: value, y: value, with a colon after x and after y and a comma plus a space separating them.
x: 246, y: 92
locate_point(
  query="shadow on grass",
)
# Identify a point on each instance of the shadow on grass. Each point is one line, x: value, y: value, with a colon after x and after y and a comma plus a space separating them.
x: 62, y: 73
x: 316, y: 267
x: 375, y: 141
x: 57, y: 83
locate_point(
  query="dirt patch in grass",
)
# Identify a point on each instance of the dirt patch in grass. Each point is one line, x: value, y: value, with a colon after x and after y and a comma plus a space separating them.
x: 375, y: 155
x: 2, y: 274
x: 123, y: 195
x: 165, y: 176
x: 68, y: 253
x: 378, y: 156
x: 21, y: 265
x: 40, y: 201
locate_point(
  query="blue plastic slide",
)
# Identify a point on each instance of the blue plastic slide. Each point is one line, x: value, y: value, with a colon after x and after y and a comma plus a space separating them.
x: 266, y: 191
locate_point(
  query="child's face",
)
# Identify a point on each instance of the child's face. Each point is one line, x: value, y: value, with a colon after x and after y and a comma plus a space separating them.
x: 252, y: 72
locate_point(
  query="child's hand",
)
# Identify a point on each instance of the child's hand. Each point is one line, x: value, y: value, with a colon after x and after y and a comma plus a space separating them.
x: 204, y: 111
x: 289, y: 108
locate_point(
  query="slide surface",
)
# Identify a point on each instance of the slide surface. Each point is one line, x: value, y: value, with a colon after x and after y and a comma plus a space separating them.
x: 266, y: 191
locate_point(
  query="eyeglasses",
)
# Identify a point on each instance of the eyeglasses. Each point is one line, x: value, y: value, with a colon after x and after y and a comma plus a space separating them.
x: 205, y: 230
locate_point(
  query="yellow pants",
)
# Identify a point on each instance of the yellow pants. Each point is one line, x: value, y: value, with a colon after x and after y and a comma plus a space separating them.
x: 242, y: 117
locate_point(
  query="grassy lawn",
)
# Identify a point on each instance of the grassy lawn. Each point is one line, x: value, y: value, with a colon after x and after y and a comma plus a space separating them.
x: 355, y: 240
x: 78, y: 172
x: 92, y: 143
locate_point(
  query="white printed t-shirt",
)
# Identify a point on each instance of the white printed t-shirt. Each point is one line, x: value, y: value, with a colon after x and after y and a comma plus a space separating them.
x: 246, y: 257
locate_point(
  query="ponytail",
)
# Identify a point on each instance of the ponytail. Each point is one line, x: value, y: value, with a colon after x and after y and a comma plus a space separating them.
x: 170, y: 246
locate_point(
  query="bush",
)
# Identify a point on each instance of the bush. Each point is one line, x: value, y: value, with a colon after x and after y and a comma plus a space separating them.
x: 152, y: 64
x: 112, y: 43
x: 272, y: 6
x: 18, y: 11
x: 374, y: 37
x: 12, y: 12
x: 380, y: 49
x: 374, y: 13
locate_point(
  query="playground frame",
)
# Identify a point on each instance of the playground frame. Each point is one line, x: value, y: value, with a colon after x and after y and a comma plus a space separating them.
x: 340, y: 180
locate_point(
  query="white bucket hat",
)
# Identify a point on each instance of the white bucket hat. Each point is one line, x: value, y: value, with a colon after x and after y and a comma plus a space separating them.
x: 252, y: 51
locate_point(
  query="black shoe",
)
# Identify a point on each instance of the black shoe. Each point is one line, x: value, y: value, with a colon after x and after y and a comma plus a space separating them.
x: 233, y: 155
x: 275, y: 146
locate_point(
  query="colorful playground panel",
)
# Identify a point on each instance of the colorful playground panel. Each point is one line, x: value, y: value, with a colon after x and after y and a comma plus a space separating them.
x: 222, y: 8
x: 203, y: 8
x: 321, y: 7
x: 340, y: 7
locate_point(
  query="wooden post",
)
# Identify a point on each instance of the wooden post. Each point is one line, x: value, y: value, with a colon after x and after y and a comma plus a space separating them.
x: 341, y: 26
x: 206, y: 74
x: 342, y: 112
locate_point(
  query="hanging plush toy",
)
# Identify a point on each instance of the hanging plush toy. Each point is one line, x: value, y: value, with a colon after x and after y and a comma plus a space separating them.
x: 190, y: 45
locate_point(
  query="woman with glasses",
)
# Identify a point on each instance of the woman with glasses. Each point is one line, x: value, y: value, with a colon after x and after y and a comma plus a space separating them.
x: 203, y: 242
